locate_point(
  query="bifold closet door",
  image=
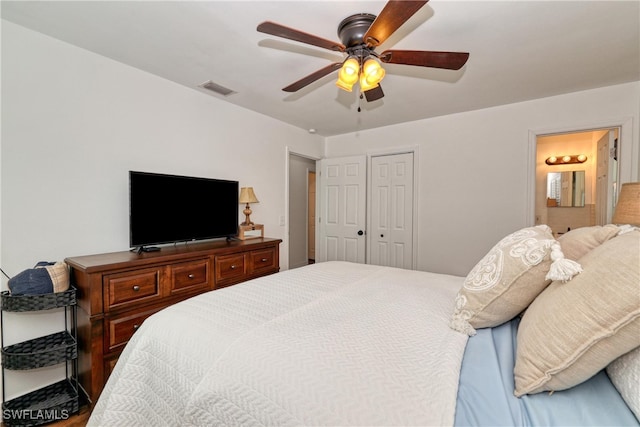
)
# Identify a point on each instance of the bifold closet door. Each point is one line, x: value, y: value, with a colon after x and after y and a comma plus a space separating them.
x: 391, y: 216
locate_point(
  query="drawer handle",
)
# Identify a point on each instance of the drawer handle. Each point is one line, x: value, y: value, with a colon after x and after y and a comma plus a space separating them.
x: 264, y: 260
x: 191, y: 276
x: 135, y: 327
x: 136, y: 288
x: 233, y: 267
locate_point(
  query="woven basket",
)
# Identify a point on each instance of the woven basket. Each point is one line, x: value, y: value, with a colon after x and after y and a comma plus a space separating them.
x: 38, y: 302
x: 54, y: 402
x: 36, y: 353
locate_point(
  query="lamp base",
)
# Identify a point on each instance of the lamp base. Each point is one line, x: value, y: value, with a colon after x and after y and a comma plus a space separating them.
x: 247, y: 215
x: 250, y: 231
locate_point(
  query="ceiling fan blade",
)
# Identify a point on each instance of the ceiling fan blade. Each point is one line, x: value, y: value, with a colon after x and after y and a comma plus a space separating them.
x: 278, y: 30
x: 374, y: 94
x: 305, y: 81
x: 421, y: 58
x: 394, y: 14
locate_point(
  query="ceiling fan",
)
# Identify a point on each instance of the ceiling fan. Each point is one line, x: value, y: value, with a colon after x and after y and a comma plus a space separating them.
x: 360, y: 35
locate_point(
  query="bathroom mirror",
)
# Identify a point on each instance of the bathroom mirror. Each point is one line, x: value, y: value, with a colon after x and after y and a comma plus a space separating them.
x: 565, y: 189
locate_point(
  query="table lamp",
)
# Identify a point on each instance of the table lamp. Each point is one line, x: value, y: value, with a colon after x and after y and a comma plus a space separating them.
x: 247, y: 196
x: 628, y: 207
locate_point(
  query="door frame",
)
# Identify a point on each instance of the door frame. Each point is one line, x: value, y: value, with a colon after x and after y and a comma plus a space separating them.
x: 289, y: 152
x: 628, y: 167
x: 414, y: 149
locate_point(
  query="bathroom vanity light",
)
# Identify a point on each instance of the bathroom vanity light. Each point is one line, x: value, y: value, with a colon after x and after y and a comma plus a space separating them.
x: 566, y: 160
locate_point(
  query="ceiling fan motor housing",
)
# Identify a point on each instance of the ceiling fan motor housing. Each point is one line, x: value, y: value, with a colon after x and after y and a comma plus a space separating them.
x: 353, y: 28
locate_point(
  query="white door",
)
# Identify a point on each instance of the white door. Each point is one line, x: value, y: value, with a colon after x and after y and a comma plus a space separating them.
x: 390, y: 237
x: 605, y: 178
x: 341, y: 216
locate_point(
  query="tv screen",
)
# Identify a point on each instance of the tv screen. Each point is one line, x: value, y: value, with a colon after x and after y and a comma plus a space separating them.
x: 171, y: 208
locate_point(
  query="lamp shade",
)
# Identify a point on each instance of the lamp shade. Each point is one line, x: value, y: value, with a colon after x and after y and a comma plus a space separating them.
x: 247, y: 195
x: 372, y: 74
x: 628, y: 207
x: 348, y: 74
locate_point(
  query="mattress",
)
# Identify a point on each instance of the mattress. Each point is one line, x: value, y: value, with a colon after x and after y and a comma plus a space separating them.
x: 329, y: 344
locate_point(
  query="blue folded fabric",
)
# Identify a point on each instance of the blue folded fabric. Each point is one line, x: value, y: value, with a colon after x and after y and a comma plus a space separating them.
x: 485, y: 392
x: 44, y: 278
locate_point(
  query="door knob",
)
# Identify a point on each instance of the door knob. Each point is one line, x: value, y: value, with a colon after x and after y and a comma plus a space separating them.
x: 360, y: 232
x: 382, y: 235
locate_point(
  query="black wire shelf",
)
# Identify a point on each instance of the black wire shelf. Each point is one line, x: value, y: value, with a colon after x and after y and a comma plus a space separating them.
x: 54, y: 402
x: 39, y: 352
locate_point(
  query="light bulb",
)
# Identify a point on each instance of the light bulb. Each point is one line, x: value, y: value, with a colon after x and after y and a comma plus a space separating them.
x: 372, y: 73
x: 365, y: 85
x: 348, y: 74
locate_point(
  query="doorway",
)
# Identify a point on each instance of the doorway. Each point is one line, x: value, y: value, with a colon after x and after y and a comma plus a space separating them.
x: 301, y: 210
x: 311, y: 221
x: 581, y: 190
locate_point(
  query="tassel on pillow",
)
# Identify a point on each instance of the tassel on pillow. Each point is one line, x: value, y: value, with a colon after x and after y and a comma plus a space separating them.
x: 562, y: 269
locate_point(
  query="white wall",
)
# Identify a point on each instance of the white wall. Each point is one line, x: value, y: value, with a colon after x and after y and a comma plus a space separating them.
x: 73, y: 125
x: 475, y: 167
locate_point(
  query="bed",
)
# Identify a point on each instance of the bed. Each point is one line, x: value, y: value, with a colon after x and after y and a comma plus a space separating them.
x: 337, y: 343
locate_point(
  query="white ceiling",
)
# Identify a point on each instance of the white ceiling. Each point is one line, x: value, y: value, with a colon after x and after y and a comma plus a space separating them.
x: 519, y: 50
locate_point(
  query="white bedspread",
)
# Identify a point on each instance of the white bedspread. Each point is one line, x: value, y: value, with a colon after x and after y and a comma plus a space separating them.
x: 329, y: 344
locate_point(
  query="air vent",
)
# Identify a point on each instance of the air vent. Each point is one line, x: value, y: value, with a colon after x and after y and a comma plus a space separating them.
x: 214, y: 87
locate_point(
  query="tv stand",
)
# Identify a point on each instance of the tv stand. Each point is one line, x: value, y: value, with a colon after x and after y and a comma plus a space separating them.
x: 118, y: 291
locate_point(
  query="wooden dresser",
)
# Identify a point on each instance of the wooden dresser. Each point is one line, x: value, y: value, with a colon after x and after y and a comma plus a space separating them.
x: 117, y: 291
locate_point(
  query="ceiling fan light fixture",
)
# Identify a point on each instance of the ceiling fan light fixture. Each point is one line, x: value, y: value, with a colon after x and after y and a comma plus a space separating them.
x: 348, y: 74
x: 365, y: 84
x: 372, y: 74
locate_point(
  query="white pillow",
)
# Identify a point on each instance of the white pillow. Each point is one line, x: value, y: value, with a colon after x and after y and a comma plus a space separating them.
x: 625, y: 375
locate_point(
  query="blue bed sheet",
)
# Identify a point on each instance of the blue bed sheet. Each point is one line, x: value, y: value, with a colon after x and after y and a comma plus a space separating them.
x: 485, y: 394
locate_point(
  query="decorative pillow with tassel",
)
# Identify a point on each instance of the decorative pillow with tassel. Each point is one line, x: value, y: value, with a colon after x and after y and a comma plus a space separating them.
x: 509, y: 278
x: 44, y: 278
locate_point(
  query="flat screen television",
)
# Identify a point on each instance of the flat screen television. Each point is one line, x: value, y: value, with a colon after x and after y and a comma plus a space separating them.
x: 171, y: 208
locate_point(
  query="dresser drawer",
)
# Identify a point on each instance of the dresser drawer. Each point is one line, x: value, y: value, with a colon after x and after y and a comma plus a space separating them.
x: 190, y: 276
x: 119, y: 330
x: 128, y: 288
x: 263, y: 260
x: 229, y: 268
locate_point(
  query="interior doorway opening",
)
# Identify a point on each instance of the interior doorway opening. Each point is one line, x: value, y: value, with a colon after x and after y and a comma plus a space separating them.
x: 301, y: 210
x: 577, y: 178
